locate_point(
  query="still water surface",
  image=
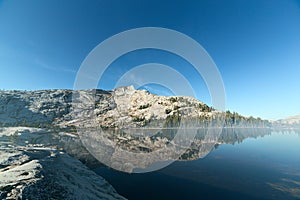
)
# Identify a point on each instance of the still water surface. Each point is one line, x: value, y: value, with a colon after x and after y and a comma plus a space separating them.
x: 265, y: 167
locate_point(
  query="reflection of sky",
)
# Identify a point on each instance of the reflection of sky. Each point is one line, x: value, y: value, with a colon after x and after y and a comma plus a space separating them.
x: 277, y: 148
x: 261, y: 163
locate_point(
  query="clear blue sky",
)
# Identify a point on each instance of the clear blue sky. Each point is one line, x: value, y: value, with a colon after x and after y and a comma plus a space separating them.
x: 255, y: 44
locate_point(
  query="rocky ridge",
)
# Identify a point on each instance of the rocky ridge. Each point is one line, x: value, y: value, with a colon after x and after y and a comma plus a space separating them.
x: 118, y: 108
x: 291, y: 120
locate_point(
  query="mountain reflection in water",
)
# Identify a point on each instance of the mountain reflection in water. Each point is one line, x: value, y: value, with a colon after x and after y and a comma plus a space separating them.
x: 243, y: 163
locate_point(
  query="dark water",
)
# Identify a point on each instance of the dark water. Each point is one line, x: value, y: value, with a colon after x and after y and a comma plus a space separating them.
x: 265, y: 167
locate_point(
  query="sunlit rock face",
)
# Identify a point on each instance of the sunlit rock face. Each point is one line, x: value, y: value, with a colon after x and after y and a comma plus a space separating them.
x: 33, y: 107
x: 109, y: 109
x: 126, y: 107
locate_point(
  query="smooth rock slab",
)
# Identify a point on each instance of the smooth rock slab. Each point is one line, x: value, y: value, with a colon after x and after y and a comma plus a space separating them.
x: 42, y: 173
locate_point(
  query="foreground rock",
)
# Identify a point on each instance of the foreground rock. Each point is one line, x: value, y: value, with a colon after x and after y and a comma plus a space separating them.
x: 38, y: 172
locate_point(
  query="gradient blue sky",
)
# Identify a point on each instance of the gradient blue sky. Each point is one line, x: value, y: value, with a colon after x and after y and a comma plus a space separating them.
x: 255, y: 44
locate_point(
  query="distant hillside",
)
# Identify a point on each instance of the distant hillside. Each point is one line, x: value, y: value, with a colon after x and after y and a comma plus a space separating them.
x: 291, y: 120
x: 122, y: 107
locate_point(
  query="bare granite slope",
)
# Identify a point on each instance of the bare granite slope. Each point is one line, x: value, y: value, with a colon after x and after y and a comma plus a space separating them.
x: 118, y: 108
x: 43, y: 172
